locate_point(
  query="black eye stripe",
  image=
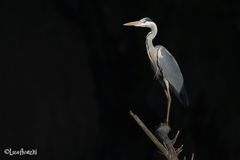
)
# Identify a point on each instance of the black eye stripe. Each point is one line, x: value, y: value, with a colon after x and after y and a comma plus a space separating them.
x: 146, y: 19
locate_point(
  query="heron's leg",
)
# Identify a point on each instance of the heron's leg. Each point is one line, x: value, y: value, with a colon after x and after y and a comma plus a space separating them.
x: 167, y: 92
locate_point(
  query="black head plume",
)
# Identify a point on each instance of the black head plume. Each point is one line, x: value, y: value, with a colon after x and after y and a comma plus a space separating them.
x: 146, y: 19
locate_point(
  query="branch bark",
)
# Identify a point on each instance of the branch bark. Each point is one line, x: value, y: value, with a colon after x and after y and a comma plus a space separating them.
x: 165, y: 146
x: 153, y: 138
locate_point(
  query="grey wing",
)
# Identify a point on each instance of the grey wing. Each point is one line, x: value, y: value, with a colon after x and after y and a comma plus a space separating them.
x: 170, y: 69
x: 172, y: 73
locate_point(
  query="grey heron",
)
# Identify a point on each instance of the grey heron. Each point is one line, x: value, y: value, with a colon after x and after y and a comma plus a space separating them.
x: 165, y: 66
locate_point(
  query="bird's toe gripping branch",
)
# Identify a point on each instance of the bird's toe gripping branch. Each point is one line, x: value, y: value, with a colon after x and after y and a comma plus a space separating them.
x: 161, y: 140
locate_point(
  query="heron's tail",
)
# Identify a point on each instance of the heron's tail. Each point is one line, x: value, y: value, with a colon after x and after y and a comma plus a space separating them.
x: 183, y: 97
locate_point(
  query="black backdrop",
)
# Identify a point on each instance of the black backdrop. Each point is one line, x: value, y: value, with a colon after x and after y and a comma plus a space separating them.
x: 70, y: 72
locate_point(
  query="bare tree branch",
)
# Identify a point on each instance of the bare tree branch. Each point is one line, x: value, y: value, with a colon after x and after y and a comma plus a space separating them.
x: 166, y: 146
x: 192, y: 156
x: 175, y: 138
x: 154, y: 139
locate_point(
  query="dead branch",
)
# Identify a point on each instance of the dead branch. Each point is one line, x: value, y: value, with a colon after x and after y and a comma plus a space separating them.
x: 166, y: 146
x: 192, y: 156
x: 153, y: 138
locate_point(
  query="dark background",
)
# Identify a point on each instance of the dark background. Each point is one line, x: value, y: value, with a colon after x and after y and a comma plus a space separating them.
x: 70, y: 72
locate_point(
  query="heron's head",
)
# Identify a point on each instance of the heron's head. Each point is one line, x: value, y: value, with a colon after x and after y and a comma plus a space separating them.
x: 145, y: 22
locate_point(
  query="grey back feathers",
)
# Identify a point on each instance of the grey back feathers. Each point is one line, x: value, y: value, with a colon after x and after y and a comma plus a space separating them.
x: 170, y: 70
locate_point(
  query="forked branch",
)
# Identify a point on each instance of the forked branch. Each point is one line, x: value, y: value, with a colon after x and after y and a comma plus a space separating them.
x: 166, y: 146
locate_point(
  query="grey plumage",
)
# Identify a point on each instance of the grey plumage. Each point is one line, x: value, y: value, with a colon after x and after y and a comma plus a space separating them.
x: 164, y: 64
x: 170, y: 70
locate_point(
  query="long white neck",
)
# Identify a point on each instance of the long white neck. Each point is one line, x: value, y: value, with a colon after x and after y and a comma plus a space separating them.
x: 151, y: 35
x: 149, y: 44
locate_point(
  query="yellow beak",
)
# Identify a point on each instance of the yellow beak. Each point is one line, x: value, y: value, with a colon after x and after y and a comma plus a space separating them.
x: 135, y: 23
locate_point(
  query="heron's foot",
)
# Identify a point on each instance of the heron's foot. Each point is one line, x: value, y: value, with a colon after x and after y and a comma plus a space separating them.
x: 164, y: 128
